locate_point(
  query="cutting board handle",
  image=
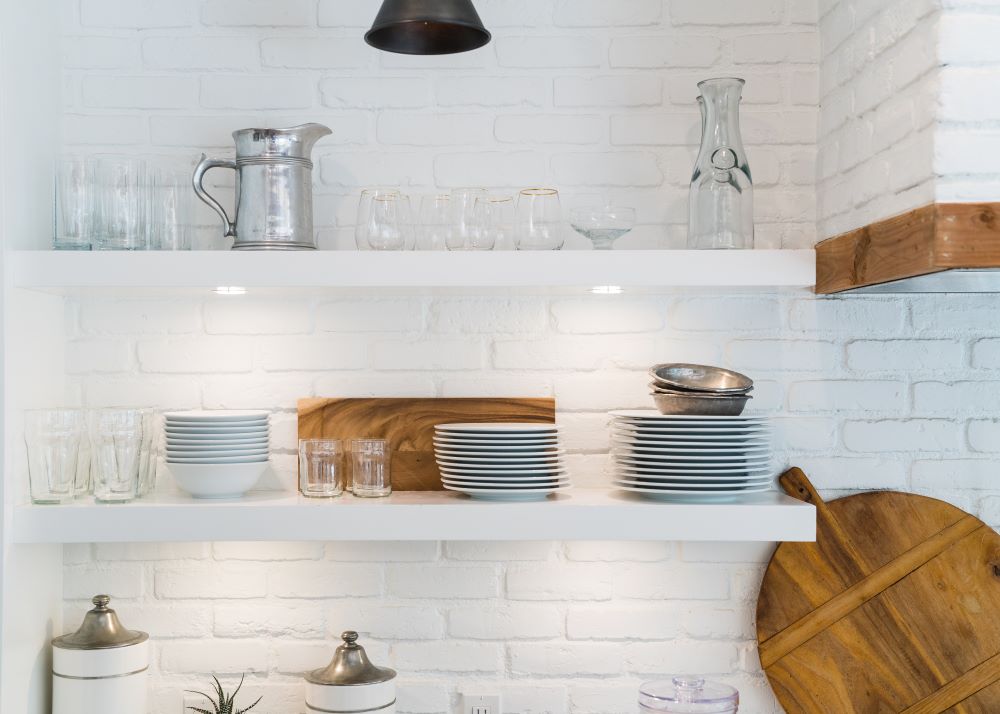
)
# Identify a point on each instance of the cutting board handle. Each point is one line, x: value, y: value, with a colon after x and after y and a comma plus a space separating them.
x: 797, y: 485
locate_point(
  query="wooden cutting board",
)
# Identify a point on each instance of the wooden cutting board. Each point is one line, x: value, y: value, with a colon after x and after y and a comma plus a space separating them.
x: 894, y: 608
x: 408, y: 424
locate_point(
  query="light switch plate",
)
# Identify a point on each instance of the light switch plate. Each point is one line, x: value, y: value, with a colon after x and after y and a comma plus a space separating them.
x: 481, y: 704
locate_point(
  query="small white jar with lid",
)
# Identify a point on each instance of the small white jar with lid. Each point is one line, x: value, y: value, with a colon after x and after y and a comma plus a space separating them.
x: 351, y: 684
x: 102, y: 667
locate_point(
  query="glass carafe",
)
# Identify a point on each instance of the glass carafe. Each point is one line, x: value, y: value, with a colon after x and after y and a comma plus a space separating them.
x: 721, y: 202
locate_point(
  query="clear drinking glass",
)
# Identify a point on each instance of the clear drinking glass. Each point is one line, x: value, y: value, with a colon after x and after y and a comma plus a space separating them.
x: 321, y: 467
x: 123, y: 191
x: 75, y: 203
x: 496, y: 216
x: 116, y: 441
x: 387, y: 222
x: 602, y: 224
x: 171, y: 208
x: 435, y: 222
x: 83, y: 486
x: 464, y: 224
x: 721, y: 198
x: 370, y: 468
x: 539, y: 220
x: 147, y: 453
x: 53, y: 438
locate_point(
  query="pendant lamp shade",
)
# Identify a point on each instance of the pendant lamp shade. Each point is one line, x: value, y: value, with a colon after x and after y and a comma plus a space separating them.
x: 427, y: 27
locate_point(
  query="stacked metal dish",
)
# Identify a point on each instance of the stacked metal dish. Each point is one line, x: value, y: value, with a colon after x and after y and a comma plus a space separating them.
x: 217, y: 454
x: 501, y: 462
x: 698, y: 389
x: 684, y: 458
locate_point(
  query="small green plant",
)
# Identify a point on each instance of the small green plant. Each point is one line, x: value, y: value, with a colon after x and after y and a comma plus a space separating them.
x: 225, y: 704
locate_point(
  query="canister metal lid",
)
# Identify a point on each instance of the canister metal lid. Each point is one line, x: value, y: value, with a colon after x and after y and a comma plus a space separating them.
x: 350, y: 666
x: 101, y: 630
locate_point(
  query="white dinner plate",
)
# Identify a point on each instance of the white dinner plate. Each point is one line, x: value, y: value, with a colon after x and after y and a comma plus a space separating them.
x: 507, y: 473
x: 173, y: 453
x: 495, y: 428
x: 500, y: 467
x: 546, y: 455
x: 538, y: 494
x: 213, y: 415
x: 507, y: 484
x: 508, y: 479
x: 710, y: 474
x: 218, y: 443
x: 541, y: 441
x: 692, y: 487
x: 621, y: 455
x: 218, y: 460
x: 681, y: 482
x: 652, y: 414
x: 225, y: 431
x: 706, y: 450
x: 682, y: 491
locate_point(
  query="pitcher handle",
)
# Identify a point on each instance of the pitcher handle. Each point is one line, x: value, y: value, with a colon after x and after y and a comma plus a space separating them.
x: 199, y: 174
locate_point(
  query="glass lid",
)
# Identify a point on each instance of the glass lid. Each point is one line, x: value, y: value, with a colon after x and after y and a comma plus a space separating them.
x: 689, y: 695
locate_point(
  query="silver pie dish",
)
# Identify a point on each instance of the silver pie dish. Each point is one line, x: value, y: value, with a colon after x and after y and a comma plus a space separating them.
x: 700, y: 378
x: 702, y: 404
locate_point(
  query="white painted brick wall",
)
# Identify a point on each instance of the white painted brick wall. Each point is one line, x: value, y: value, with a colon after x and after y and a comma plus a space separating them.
x: 878, y: 84
x: 566, y: 94
x: 866, y: 393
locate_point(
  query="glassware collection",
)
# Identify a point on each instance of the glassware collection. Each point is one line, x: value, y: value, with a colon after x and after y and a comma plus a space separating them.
x: 323, y: 474
x: 128, y: 203
x: 121, y: 203
x: 73, y: 453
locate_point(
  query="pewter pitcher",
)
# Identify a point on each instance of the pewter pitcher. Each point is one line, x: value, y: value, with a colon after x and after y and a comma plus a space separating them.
x: 274, y: 206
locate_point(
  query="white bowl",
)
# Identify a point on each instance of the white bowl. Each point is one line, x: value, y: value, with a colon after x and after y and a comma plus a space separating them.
x: 216, y: 459
x: 216, y: 415
x: 217, y: 481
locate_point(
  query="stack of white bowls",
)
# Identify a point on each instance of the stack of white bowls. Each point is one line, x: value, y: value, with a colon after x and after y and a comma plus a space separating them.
x: 217, y: 454
x: 689, y: 457
x: 501, y: 461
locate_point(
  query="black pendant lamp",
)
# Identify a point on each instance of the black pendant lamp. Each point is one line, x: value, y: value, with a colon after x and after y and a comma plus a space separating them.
x: 427, y: 27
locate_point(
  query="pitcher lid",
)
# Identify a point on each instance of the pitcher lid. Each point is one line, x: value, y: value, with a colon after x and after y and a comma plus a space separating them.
x: 293, y: 143
x: 350, y: 666
x: 101, y: 630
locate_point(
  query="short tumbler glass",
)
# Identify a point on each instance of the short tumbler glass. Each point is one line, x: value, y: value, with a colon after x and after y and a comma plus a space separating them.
x: 116, y: 442
x: 321, y: 467
x: 370, y: 473
x: 53, y: 438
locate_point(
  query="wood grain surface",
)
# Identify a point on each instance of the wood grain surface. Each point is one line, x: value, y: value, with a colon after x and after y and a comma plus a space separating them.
x: 408, y: 424
x: 894, y: 608
x: 926, y: 240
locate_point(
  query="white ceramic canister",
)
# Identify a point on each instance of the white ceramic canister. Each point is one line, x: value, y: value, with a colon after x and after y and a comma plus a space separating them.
x: 351, y: 684
x: 102, y: 667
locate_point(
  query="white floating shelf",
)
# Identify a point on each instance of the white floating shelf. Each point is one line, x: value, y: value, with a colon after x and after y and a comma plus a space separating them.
x: 557, y: 271
x: 584, y: 514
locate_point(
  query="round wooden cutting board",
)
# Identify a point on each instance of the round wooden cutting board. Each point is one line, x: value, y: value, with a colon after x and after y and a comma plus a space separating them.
x: 894, y: 608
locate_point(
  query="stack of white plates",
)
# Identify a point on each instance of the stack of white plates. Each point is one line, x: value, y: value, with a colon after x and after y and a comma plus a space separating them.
x: 686, y: 457
x: 501, y: 462
x: 217, y: 454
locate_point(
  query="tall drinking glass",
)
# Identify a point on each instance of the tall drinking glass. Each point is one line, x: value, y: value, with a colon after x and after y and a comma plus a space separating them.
x: 75, y: 203
x: 123, y: 186
x: 116, y: 440
x: 435, y: 222
x: 171, y: 208
x: 539, y: 220
x: 53, y: 438
x: 464, y: 224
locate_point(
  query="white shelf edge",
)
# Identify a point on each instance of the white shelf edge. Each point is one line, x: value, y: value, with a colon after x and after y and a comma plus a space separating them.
x: 60, y: 270
x: 583, y: 514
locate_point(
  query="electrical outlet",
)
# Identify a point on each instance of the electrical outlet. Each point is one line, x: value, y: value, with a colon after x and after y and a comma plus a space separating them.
x: 481, y: 704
